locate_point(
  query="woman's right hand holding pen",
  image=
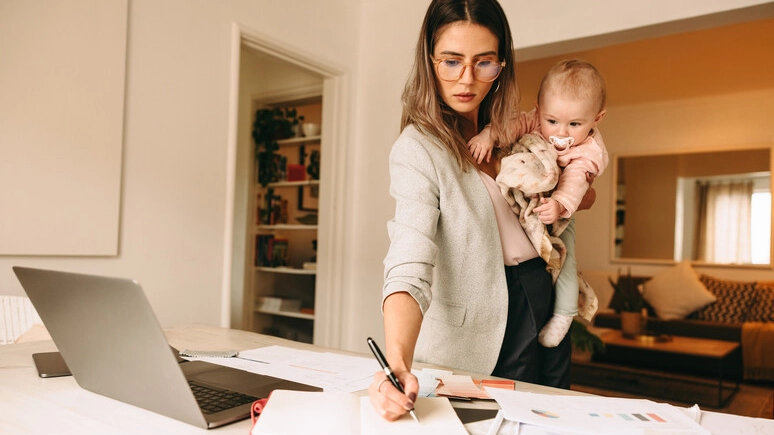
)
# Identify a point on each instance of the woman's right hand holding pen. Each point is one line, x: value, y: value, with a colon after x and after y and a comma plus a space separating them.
x: 387, y: 400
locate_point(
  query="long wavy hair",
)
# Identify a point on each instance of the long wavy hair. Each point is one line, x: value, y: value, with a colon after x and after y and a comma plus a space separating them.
x: 423, y: 106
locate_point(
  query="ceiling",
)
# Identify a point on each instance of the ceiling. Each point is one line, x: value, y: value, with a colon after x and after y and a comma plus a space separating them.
x: 729, y: 59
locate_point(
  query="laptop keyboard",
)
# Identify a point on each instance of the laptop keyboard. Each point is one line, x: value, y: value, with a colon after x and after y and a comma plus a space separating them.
x: 212, y: 400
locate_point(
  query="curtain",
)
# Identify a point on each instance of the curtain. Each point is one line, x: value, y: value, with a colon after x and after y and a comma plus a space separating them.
x: 723, y: 233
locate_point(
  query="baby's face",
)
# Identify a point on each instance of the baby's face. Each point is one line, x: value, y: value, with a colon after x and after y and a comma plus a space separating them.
x: 563, y: 117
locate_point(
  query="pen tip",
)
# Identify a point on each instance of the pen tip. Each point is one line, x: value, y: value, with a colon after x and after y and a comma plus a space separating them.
x: 413, y: 414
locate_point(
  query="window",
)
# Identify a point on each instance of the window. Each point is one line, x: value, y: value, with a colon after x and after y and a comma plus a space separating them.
x: 724, y: 219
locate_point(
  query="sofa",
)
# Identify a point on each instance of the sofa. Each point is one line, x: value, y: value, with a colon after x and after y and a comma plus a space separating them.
x: 682, y: 302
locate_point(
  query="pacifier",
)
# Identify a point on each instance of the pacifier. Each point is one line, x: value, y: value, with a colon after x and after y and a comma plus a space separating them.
x: 561, y: 143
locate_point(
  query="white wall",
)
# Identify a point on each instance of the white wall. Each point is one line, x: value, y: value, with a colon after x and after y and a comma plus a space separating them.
x: 175, y: 133
x: 174, y: 180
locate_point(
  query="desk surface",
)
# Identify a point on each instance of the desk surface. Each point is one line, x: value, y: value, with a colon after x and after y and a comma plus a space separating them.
x: 33, y: 405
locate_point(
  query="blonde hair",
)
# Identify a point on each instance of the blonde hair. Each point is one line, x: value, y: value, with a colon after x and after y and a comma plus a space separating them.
x: 576, y: 78
x: 422, y: 105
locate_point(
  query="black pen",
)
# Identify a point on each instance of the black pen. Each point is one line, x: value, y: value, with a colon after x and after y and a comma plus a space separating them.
x: 387, y: 370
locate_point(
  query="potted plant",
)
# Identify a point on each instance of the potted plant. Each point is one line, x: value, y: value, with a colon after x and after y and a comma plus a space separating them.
x: 584, y: 342
x: 271, y: 125
x: 629, y: 303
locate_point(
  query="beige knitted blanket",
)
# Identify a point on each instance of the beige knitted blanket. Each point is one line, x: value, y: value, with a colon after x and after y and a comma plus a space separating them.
x: 527, y: 174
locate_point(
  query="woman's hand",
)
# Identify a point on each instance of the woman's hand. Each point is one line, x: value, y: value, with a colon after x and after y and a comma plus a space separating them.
x: 388, y: 402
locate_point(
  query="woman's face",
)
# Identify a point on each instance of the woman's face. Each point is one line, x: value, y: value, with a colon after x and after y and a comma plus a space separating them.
x: 467, y: 43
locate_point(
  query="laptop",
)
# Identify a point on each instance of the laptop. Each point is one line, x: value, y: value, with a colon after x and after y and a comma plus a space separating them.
x: 109, y: 337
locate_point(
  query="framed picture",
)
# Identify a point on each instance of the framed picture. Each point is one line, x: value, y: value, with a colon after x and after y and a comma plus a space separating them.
x: 308, y: 197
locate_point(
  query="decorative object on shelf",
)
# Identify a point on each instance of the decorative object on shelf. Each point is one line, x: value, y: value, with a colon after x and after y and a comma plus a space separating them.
x: 314, y: 165
x: 310, y: 129
x: 307, y: 195
x: 295, y: 125
x: 272, y: 209
x: 295, y: 172
x: 270, y: 125
x: 308, y: 219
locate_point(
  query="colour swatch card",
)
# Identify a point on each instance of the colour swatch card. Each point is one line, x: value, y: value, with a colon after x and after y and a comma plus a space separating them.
x: 576, y: 414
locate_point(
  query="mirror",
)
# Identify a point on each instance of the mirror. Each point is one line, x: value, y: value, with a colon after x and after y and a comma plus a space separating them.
x: 656, y: 211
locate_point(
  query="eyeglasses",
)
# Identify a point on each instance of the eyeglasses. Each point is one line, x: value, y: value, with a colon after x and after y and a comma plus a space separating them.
x: 451, y: 69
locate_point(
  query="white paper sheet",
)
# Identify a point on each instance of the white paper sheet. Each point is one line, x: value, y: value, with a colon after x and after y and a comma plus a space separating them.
x: 329, y: 371
x: 594, y: 415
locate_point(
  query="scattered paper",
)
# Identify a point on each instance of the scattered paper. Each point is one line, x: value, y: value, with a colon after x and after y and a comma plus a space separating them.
x: 593, y: 414
x: 329, y: 371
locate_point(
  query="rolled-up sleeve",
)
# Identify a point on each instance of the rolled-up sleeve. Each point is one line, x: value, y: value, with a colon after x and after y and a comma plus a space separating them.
x: 411, y: 258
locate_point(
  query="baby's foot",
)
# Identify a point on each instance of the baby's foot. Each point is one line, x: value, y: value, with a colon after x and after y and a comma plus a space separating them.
x: 555, y: 330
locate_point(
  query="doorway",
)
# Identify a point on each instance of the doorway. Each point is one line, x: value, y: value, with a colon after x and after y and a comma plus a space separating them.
x: 267, y: 71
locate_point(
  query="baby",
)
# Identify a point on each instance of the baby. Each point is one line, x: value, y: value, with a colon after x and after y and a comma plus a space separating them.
x: 570, y: 104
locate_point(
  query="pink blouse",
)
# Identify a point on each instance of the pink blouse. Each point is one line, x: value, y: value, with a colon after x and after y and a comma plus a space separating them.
x: 517, y: 248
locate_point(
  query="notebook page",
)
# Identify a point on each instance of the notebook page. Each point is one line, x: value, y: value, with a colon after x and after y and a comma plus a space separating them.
x: 436, y: 416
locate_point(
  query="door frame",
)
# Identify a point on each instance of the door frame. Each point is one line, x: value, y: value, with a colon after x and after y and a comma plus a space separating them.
x: 331, y: 222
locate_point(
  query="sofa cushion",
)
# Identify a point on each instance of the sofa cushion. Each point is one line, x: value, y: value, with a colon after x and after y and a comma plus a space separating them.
x: 733, y: 300
x: 762, y: 307
x: 676, y: 292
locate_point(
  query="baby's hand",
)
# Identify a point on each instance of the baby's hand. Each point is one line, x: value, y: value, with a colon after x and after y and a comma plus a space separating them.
x: 481, y: 145
x: 549, y: 210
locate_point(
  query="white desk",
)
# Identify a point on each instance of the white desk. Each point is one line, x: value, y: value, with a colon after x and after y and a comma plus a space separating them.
x: 33, y: 405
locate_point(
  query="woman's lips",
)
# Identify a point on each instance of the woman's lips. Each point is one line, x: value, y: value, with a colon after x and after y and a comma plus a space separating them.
x: 464, y: 97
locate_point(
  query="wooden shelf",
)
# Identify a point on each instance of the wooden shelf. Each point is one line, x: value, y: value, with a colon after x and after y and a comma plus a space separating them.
x: 287, y: 227
x: 287, y: 270
x: 298, y: 140
x: 295, y: 315
x: 294, y: 183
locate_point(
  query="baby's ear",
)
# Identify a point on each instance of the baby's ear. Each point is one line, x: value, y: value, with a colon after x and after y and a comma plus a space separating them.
x: 600, y: 115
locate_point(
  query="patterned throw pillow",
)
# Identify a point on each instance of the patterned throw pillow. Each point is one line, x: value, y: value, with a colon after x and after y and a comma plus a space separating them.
x: 733, y: 300
x: 762, y: 308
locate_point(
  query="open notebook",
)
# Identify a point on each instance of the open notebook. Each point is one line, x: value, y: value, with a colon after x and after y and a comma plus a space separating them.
x: 336, y: 413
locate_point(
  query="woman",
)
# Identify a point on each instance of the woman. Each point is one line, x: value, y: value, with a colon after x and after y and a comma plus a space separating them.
x: 460, y: 268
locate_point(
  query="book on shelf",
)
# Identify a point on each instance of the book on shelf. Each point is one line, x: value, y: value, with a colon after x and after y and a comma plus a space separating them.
x: 273, y: 303
x: 263, y: 250
x: 271, y: 250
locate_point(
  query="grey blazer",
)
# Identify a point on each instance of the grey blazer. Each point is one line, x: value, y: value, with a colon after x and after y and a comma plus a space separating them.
x: 445, y: 251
